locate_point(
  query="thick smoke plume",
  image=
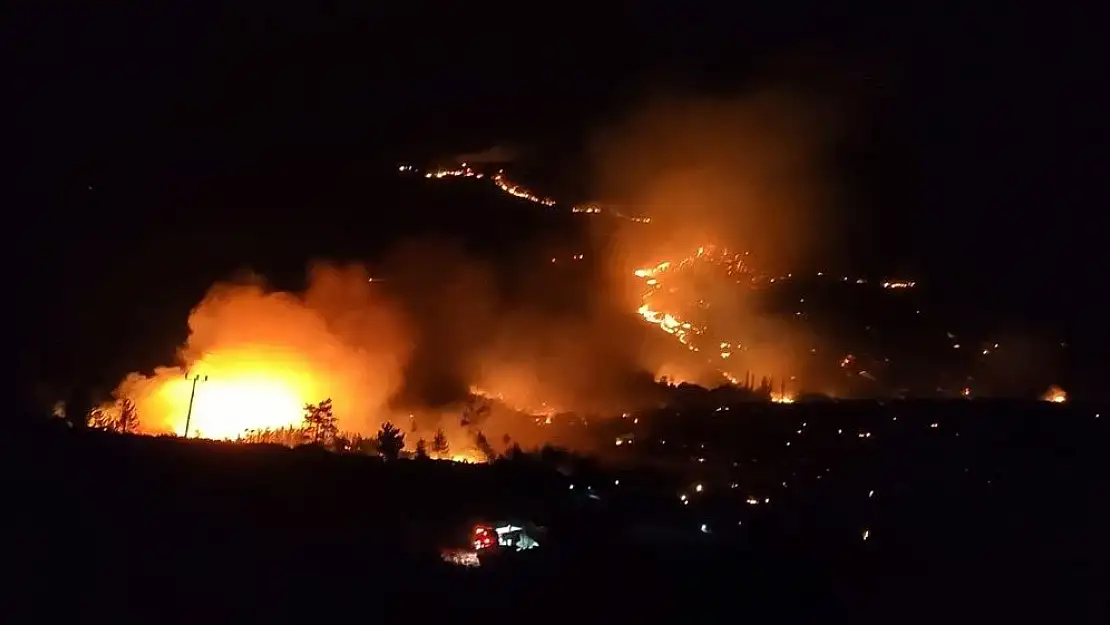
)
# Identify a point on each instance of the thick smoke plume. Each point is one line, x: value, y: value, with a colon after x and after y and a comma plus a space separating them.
x: 435, y: 324
x: 562, y: 348
x: 744, y: 174
x: 739, y: 172
x: 408, y: 345
x: 266, y: 353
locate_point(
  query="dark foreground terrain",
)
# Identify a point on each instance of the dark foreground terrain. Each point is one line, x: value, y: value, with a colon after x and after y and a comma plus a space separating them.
x: 117, y: 529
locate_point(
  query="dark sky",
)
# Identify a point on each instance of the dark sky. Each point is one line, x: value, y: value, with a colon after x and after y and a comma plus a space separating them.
x: 974, y: 117
x: 978, y: 153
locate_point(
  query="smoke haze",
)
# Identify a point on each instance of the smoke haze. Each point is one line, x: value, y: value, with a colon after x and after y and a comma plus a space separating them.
x: 743, y: 174
x: 408, y: 348
x: 339, y: 339
x: 437, y: 323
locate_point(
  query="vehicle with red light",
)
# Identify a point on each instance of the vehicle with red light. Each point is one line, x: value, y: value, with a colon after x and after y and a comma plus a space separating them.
x: 484, y: 538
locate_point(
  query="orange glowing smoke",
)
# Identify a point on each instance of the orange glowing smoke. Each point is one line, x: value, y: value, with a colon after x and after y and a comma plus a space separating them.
x: 1055, y: 394
x: 262, y: 355
x: 240, y: 388
x: 659, y: 280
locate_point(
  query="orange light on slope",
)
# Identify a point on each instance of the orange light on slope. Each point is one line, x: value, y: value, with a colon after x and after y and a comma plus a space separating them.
x: 246, y: 389
x: 1056, y: 395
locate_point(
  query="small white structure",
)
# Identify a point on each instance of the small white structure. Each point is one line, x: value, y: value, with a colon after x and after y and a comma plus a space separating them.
x: 515, y: 537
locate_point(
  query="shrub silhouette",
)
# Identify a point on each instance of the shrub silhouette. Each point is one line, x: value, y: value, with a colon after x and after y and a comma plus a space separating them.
x: 440, y: 445
x: 390, y: 441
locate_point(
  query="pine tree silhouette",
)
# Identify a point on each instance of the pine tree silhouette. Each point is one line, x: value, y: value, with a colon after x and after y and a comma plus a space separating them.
x: 390, y: 441
x: 320, y: 420
x: 440, y: 445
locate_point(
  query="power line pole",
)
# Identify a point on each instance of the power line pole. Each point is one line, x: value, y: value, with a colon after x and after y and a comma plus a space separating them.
x: 192, y: 396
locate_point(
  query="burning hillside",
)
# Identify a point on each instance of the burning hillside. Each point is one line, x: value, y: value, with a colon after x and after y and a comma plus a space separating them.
x: 413, y: 349
x: 708, y: 178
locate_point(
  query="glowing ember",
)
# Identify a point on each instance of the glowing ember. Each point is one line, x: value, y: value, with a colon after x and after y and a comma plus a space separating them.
x: 685, y: 331
x: 541, y: 411
x: 461, y: 557
x: 516, y: 190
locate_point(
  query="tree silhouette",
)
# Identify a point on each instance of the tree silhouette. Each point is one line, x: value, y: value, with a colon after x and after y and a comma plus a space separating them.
x: 363, y: 445
x: 342, y: 443
x: 439, y: 443
x: 78, y: 409
x: 128, y: 421
x: 765, y: 388
x: 515, y: 453
x: 390, y: 441
x: 483, y: 446
x: 552, y: 455
x: 122, y: 417
x: 320, y: 419
x: 98, y: 419
x: 421, y: 450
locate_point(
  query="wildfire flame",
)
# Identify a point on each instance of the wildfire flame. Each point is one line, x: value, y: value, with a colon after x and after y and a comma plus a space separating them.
x: 519, y: 191
x: 686, y: 332
x: 237, y: 390
x: 542, y: 412
x: 468, y: 458
x: 1055, y: 394
x: 256, y: 357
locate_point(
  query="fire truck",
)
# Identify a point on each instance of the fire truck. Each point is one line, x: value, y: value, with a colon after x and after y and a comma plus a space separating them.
x: 489, y: 540
x: 502, y: 537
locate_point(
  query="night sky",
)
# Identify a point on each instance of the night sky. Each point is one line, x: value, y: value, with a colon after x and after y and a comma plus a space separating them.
x: 973, y: 159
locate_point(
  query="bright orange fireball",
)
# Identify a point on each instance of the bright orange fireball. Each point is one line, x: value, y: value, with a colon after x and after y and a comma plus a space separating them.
x: 1055, y: 395
x: 239, y: 389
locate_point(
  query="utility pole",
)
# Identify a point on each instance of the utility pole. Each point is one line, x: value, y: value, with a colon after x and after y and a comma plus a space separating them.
x: 192, y: 396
